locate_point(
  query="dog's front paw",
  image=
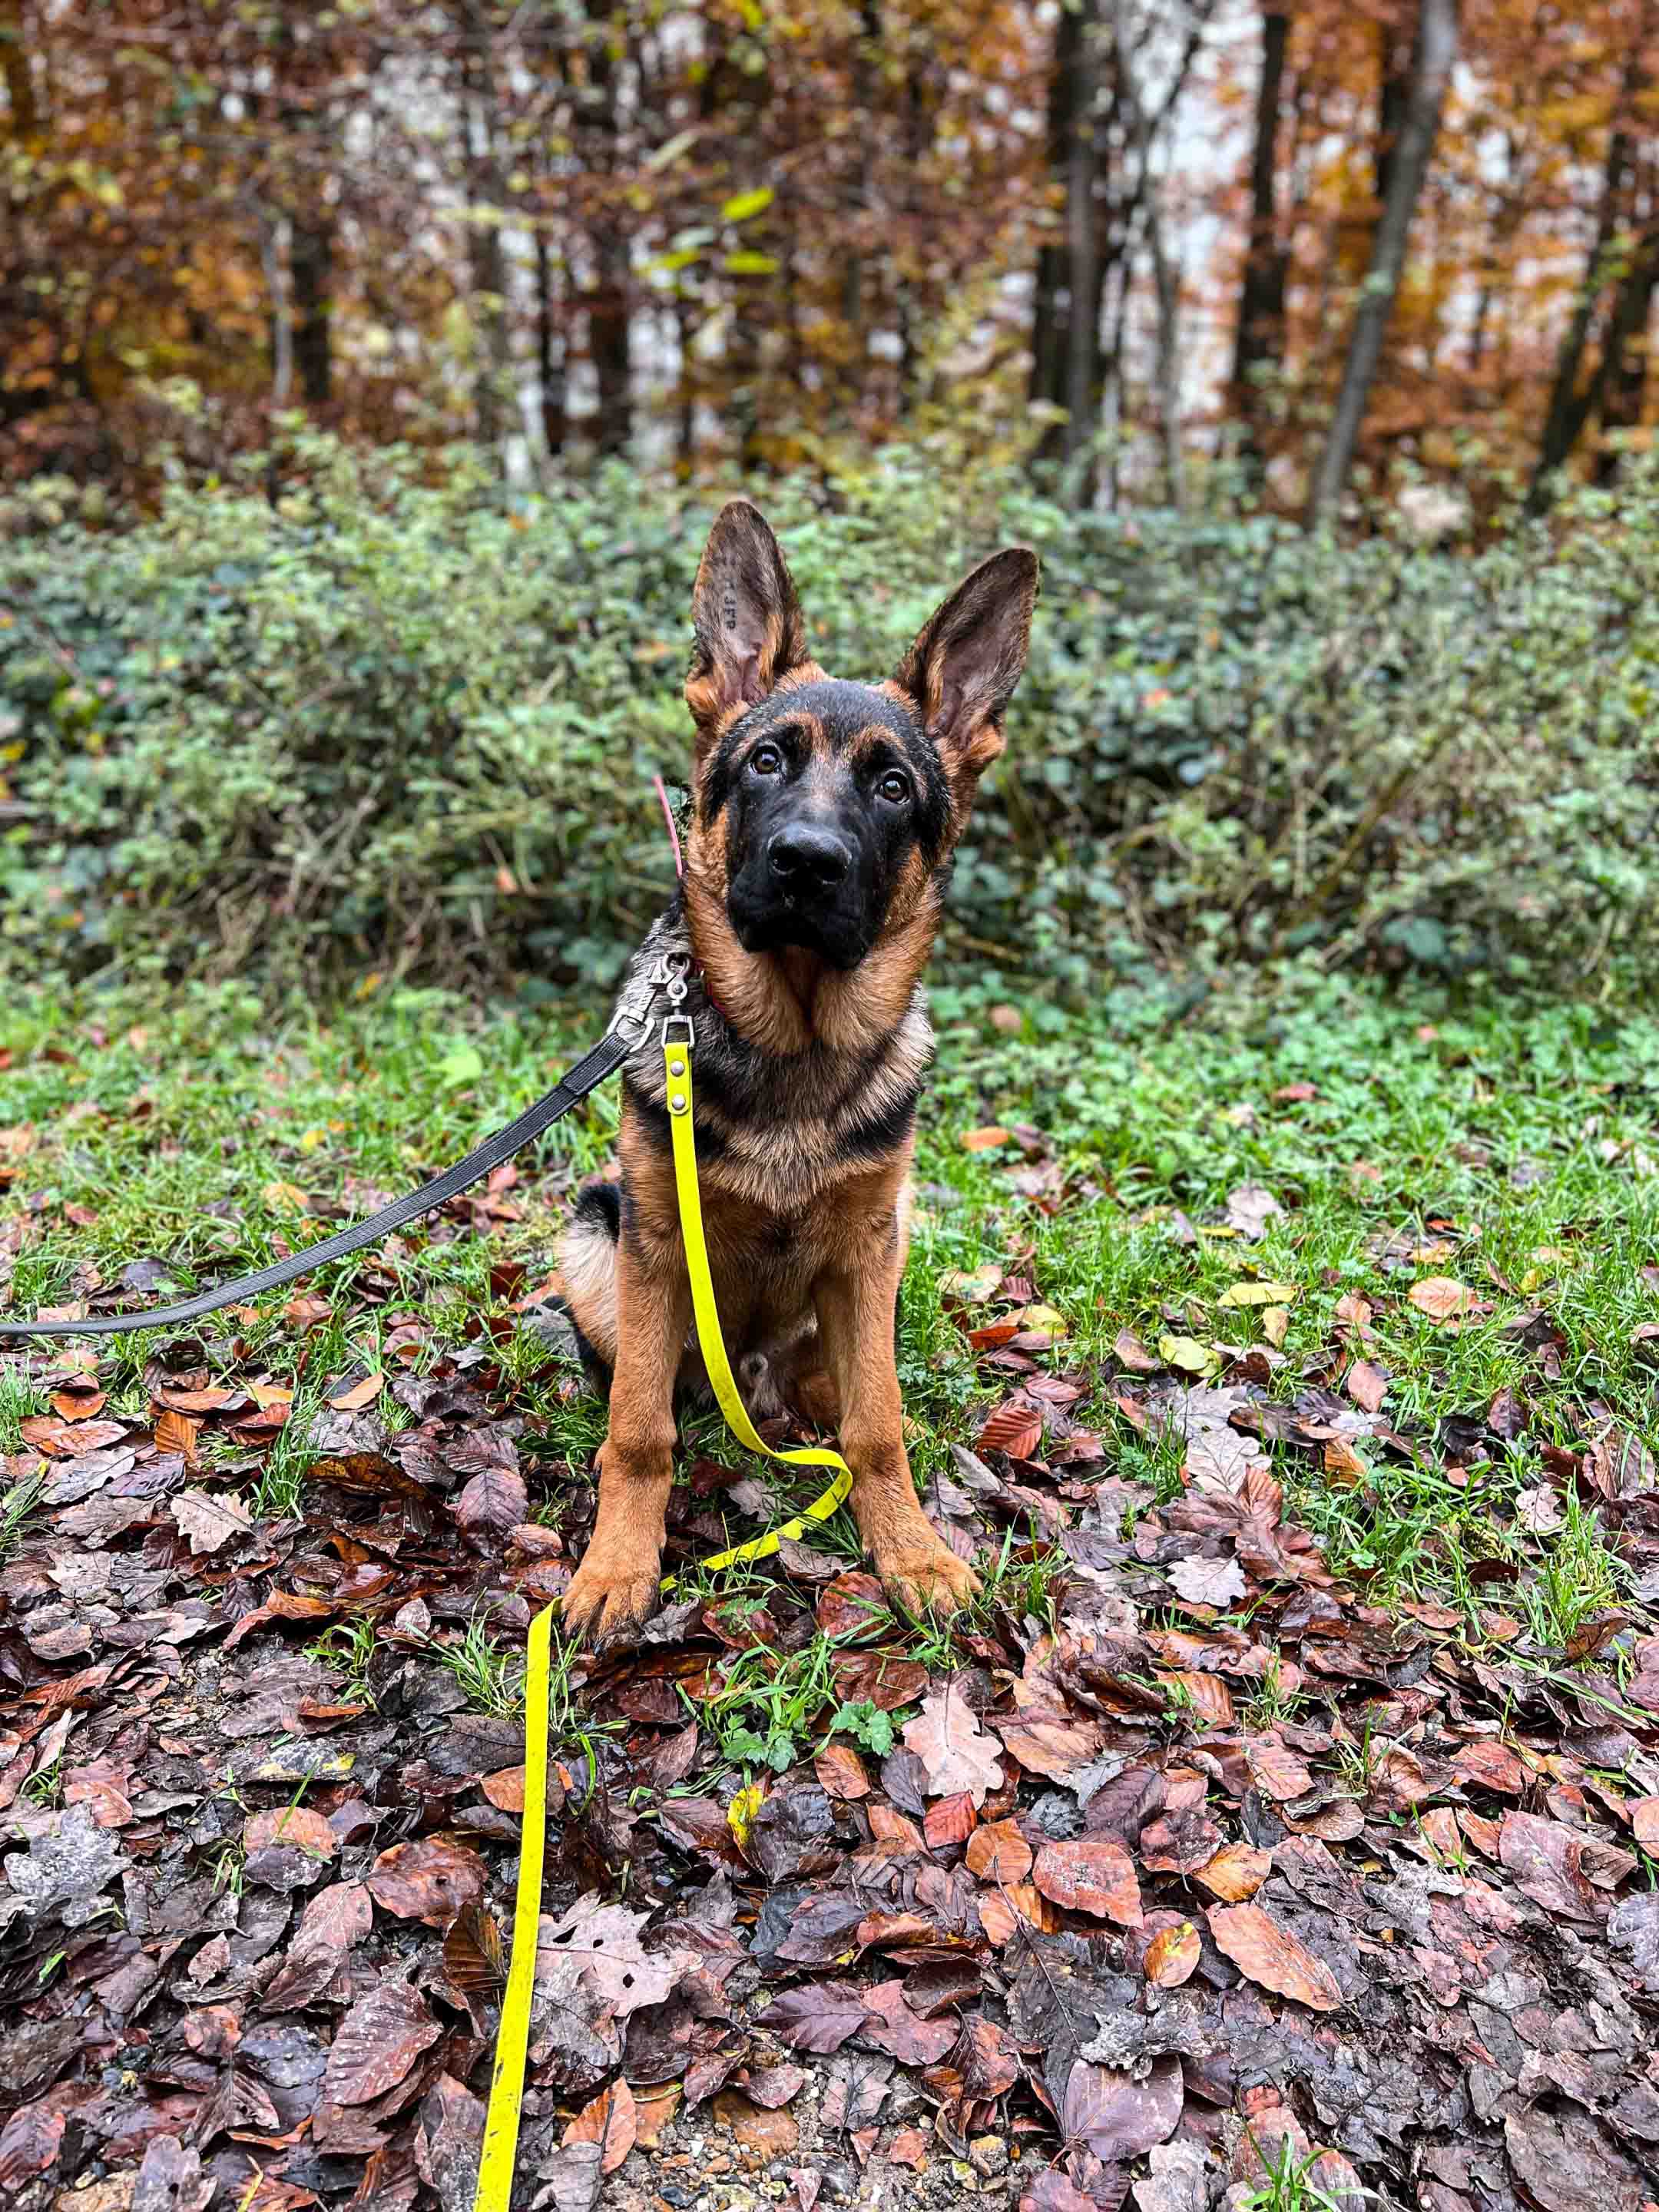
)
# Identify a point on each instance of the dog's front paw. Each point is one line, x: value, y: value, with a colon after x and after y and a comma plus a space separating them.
x: 613, y: 1590
x: 926, y: 1578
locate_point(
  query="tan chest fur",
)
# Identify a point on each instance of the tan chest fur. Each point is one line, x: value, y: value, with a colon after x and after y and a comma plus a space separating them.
x: 774, y: 1225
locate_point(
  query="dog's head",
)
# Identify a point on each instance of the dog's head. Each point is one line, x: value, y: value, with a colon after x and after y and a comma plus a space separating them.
x: 825, y: 809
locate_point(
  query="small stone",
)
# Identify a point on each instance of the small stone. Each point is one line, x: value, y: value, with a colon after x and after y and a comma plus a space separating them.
x: 988, y: 2154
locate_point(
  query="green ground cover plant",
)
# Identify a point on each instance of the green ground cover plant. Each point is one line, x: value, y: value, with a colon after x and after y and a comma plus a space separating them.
x: 398, y: 721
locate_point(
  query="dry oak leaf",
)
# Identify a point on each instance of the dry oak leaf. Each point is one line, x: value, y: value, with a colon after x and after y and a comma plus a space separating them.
x: 209, y: 1522
x: 1268, y: 1954
x: 1441, y: 1298
x: 377, y: 2043
x: 1093, y: 1875
x: 957, y: 1753
x: 1207, y: 1581
x: 1250, y: 1208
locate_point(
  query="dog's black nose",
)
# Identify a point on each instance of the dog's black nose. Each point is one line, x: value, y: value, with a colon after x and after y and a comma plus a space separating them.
x: 805, y: 859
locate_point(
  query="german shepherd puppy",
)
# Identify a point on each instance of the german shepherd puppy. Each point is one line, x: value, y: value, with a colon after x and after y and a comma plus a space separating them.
x: 824, y: 817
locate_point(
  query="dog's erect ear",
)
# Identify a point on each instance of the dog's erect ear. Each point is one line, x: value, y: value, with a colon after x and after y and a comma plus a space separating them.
x: 961, y: 670
x: 748, y: 621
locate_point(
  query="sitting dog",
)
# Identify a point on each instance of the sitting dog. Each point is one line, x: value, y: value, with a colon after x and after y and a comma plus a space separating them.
x: 824, y: 817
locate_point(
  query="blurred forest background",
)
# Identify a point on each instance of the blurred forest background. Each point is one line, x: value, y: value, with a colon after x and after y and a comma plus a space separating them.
x: 369, y: 373
x: 1400, y: 234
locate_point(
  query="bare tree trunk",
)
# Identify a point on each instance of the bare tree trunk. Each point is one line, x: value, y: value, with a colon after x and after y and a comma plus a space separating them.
x: 1434, y: 54
x: 550, y: 349
x: 1165, y: 280
x: 1397, y: 57
x: 1083, y: 270
x: 1571, y: 405
x: 311, y: 266
x: 1049, y: 318
x: 282, y: 316
x: 854, y: 303
x: 1259, y: 341
x: 19, y: 76
x: 1624, y: 373
x: 487, y: 265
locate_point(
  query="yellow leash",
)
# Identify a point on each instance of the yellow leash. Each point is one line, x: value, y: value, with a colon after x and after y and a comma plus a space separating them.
x: 501, y: 2136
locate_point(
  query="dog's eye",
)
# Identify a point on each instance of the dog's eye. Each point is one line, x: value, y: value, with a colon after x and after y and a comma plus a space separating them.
x: 765, y: 760
x: 894, y: 787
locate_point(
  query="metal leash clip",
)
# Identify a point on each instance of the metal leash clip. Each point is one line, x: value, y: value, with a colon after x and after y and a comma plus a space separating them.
x: 676, y: 966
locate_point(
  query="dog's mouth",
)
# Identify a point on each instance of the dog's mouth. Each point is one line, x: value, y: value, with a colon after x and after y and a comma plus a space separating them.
x: 783, y: 921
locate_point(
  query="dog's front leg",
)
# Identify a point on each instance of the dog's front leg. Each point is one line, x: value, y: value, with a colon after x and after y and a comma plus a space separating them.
x: 856, y: 1310
x: 616, y: 1586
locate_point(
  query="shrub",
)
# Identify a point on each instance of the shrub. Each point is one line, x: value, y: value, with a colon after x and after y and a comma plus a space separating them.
x: 410, y: 721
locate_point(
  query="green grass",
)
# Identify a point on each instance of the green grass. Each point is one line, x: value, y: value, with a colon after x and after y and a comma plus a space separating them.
x: 1528, y: 1128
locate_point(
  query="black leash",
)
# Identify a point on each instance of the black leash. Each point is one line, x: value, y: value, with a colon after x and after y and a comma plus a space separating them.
x: 571, y: 1089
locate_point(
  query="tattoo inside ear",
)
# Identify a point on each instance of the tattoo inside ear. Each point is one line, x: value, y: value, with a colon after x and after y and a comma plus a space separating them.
x: 748, y: 622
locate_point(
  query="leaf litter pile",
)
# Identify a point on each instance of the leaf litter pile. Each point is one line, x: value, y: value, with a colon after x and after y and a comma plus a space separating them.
x: 1185, y: 1869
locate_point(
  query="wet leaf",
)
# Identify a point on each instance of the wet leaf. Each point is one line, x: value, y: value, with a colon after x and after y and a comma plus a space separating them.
x: 1441, y: 1298
x: 1366, y: 1385
x: 820, y: 2016
x: 377, y: 2043
x: 1118, y: 2116
x: 998, y: 1853
x: 429, y: 1880
x: 1268, y: 1954
x: 611, y: 2122
x: 1093, y: 1875
x: 1236, y: 1872
x: 1172, y: 1958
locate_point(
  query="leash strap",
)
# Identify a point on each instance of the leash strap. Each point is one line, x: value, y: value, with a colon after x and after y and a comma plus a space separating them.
x: 501, y: 2137
x: 676, y: 1063
x: 589, y: 1071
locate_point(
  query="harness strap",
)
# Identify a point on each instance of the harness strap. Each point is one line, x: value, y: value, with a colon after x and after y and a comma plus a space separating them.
x: 501, y: 2136
x: 589, y: 1071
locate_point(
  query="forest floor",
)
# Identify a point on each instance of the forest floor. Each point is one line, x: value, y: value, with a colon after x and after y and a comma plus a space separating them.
x: 1280, y: 1828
